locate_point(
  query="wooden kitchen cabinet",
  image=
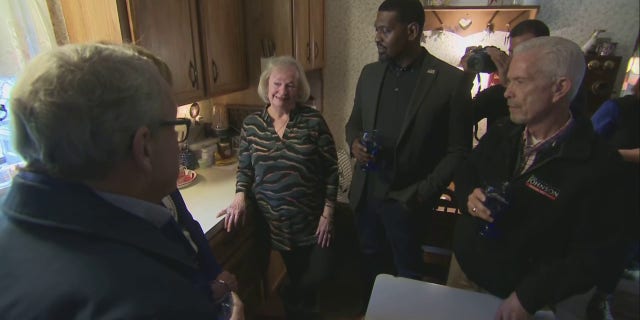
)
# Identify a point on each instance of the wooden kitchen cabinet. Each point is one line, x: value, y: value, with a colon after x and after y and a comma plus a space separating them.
x: 308, y: 17
x: 245, y: 252
x: 202, y: 41
x: 224, y: 54
x: 294, y: 27
x: 104, y: 26
x: 169, y: 29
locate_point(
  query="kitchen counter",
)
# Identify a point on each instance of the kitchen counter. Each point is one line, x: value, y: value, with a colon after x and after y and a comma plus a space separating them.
x: 212, y: 191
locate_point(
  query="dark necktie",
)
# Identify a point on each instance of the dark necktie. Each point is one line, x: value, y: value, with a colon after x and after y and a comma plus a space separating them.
x: 173, y: 232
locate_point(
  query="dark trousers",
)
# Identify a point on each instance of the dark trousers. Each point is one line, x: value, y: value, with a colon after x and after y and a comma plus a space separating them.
x: 617, y: 259
x: 388, y: 235
x: 307, y: 269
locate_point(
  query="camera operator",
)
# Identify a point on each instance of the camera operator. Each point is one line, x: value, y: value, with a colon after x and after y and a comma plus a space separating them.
x: 490, y: 103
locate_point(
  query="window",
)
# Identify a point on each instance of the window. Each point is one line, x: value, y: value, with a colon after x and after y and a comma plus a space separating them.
x: 25, y: 31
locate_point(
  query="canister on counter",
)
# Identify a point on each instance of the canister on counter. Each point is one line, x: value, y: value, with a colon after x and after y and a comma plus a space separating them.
x: 207, y: 157
x: 224, y: 150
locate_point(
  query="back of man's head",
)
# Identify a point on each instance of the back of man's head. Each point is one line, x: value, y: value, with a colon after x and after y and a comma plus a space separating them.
x: 407, y: 11
x: 535, y: 27
x: 557, y: 58
x: 76, y: 108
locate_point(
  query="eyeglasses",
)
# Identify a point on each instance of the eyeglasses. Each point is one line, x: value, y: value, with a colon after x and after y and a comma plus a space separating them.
x: 181, y: 125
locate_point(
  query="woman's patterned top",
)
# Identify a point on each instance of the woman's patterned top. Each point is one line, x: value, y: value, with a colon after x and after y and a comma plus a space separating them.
x: 291, y: 178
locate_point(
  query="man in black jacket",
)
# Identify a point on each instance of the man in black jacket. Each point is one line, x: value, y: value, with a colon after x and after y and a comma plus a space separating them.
x: 419, y: 106
x: 558, y: 178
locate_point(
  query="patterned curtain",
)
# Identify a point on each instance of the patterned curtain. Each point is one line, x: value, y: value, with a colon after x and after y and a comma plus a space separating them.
x: 25, y: 31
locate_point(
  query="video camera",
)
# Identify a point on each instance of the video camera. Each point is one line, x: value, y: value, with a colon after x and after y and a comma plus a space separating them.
x: 480, y: 61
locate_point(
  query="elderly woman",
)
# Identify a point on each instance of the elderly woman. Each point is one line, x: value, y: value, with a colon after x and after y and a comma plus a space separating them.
x: 288, y: 163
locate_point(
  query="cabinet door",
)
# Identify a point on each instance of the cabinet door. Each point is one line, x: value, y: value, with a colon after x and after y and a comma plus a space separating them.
x: 316, y: 32
x: 169, y: 29
x: 301, y: 42
x: 224, y: 61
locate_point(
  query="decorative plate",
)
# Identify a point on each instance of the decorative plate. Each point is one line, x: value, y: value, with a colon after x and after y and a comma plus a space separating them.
x: 186, y: 178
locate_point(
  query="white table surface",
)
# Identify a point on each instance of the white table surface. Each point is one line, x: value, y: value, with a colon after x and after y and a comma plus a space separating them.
x: 212, y: 191
x: 408, y: 299
x: 402, y: 298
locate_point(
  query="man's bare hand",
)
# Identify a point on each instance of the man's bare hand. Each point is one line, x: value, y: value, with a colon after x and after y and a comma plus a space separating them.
x: 501, y: 60
x: 237, y: 313
x: 359, y: 152
x: 512, y: 309
x: 475, y: 204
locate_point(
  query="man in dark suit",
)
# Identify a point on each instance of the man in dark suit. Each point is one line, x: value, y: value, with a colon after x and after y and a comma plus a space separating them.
x: 83, y: 233
x: 419, y: 107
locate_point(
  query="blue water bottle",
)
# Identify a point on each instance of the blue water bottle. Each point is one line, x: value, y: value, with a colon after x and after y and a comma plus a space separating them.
x: 370, y: 141
x: 497, y: 201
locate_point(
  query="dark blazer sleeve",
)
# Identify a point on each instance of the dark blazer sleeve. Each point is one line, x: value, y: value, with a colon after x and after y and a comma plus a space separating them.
x: 353, y: 127
x: 459, y: 139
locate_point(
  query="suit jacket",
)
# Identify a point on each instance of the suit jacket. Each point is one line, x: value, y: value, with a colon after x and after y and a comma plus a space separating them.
x: 435, y: 135
x: 69, y: 254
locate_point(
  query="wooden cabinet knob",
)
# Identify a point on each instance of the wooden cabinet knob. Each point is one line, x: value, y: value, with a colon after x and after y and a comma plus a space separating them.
x: 609, y: 65
x: 593, y: 64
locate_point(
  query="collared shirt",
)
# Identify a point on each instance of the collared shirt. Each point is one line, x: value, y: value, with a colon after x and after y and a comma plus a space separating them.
x: 531, y: 146
x: 156, y: 214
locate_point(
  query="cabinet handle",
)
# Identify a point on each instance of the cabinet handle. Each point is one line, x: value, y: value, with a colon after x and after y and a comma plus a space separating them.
x: 308, y: 52
x: 316, y: 50
x: 608, y: 65
x: 193, y: 75
x: 593, y: 64
x: 214, y: 68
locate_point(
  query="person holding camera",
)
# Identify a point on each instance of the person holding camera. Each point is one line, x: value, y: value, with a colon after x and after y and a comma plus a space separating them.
x: 543, y: 180
x: 490, y: 102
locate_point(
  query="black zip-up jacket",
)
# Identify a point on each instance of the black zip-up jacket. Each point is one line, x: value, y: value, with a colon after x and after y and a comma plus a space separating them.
x: 564, y: 213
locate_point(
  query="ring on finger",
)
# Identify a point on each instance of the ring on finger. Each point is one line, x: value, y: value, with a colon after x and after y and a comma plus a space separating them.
x: 474, y: 209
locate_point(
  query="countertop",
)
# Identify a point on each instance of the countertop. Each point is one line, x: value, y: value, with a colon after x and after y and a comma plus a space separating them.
x: 212, y: 191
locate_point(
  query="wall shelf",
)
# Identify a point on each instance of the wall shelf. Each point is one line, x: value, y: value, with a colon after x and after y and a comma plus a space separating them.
x: 457, y: 18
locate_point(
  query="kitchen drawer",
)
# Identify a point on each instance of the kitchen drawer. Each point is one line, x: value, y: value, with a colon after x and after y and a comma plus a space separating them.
x: 224, y: 244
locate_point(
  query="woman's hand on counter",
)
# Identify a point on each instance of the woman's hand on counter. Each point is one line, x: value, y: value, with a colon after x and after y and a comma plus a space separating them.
x: 235, y: 212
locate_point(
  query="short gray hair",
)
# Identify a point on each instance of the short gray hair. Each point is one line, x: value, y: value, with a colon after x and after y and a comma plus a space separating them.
x: 559, y: 57
x: 76, y: 108
x: 284, y: 61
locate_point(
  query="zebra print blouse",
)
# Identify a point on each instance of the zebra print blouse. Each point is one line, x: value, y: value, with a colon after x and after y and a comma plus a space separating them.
x: 291, y: 178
